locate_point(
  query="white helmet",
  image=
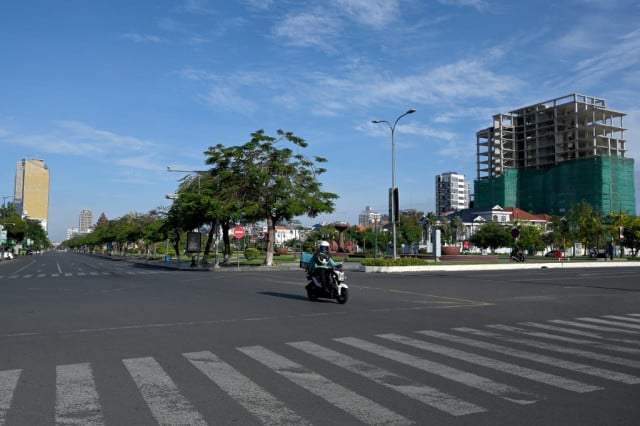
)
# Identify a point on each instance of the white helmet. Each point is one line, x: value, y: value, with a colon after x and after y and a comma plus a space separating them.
x: 324, y: 244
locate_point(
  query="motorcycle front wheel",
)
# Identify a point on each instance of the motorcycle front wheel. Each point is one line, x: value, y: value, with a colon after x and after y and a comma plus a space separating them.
x: 343, y: 296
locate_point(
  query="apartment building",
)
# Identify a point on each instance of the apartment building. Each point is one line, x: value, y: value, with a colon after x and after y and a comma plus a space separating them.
x: 31, y: 193
x: 546, y: 157
x: 85, y: 221
x: 453, y: 192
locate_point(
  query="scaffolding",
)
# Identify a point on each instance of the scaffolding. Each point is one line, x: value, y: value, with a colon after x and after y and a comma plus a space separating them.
x: 549, y: 133
x: 568, y: 149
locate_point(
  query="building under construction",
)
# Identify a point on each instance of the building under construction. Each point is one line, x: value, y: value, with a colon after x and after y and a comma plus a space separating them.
x: 546, y: 157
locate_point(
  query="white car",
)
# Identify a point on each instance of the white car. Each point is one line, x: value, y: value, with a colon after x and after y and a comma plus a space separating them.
x: 7, y: 255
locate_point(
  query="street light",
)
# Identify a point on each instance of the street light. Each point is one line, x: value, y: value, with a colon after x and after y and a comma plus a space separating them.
x: 393, y: 174
x: 197, y: 172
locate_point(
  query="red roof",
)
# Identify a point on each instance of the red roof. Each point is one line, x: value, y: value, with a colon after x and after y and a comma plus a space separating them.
x: 519, y: 214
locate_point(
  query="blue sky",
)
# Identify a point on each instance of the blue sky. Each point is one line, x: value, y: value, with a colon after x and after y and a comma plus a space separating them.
x: 109, y: 93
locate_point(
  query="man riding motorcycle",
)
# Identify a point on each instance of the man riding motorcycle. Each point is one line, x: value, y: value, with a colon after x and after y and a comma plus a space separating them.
x: 323, y: 261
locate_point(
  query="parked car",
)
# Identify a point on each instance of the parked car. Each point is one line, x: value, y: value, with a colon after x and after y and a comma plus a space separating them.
x: 554, y: 253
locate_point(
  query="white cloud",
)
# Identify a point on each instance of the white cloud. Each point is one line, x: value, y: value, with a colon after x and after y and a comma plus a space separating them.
x: 479, y: 5
x: 143, y: 38
x: 196, y: 7
x: 225, y: 98
x: 258, y: 4
x: 74, y: 138
x: 376, y: 13
x: 315, y: 28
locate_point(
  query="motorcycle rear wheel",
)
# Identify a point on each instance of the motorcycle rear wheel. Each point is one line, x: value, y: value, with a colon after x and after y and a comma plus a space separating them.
x: 311, y: 293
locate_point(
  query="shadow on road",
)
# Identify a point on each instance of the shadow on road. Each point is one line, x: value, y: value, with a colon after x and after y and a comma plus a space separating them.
x: 283, y: 295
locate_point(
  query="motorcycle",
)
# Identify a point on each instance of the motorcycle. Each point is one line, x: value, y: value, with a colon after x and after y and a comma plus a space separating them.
x: 517, y: 255
x: 337, y: 288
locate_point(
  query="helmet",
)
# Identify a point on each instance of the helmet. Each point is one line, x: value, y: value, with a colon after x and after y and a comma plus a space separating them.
x: 324, y: 246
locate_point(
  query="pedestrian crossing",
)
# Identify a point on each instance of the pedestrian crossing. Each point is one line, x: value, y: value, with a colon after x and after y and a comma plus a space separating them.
x: 91, y: 274
x: 531, y: 361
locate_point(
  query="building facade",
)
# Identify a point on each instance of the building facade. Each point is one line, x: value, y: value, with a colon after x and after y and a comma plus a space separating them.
x: 453, y: 192
x: 31, y: 193
x: 85, y: 221
x: 369, y: 217
x: 547, y: 157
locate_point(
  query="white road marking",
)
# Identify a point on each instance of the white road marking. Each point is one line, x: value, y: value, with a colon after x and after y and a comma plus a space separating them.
x: 76, y: 396
x: 260, y: 403
x: 167, y: 404
x: 404, y: 385
x: 8, y: 383
x: 484, y: 384
x: 364, y: 409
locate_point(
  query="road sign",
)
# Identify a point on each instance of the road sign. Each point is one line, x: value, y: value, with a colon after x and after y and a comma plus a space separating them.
x: 515, y: 232
x: 238, y: 232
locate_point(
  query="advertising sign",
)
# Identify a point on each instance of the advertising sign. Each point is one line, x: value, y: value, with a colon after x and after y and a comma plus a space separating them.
x: 193, y: 242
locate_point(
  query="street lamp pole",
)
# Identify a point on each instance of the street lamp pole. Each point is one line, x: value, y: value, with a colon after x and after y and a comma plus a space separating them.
x: 393, y: 175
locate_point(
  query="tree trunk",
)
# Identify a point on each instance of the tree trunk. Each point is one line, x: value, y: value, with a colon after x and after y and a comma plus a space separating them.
x: 227, y: 243
x: 207, y: 246
x: 271, y: 236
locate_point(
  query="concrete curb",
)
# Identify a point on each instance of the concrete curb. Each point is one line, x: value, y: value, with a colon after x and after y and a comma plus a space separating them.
x: 495, y: 267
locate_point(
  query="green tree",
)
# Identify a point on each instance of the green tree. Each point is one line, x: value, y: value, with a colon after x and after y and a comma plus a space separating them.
x: 531, y: 238
x: 37, y: 234
x: 585, y: 225
x: 268, y: 182
x: 492, y: 235
x: 410, y: 230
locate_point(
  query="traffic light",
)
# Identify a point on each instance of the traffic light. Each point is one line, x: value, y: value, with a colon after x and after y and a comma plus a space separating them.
x: 394, y: 203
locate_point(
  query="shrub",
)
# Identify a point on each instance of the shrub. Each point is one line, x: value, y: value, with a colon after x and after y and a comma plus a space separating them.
x: 402, y: 261
x: 251, y: 253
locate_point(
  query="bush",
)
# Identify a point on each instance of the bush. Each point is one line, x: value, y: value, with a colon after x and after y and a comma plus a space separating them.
x: 402, y: 261
x: 251, y: 253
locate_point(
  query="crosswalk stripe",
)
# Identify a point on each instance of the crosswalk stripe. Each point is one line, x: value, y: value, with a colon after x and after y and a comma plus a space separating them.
x: 76, y: 396
x: 167, y: 404
x: 566, y: 350
x: 618, y: 317
x: 8, y: 383
x: 600, y: 345
x: 593, y: 327
x: 578, y: 332
x: 612, y: 323
x: 544, y: 359
x: 484, y: 384
x: 506, y: 367
x: 404, y: 385
x: 260, y: 403
x: 356, y: 405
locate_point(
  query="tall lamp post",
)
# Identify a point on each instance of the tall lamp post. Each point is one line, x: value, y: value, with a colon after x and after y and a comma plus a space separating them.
x: 393, y: 175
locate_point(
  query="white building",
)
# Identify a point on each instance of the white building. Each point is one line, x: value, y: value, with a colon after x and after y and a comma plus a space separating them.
x: 85, y: 221
x: 368, y: 217
x: 453, y: 192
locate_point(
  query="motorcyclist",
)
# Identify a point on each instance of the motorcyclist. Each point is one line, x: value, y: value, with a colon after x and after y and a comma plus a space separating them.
x: 322, y: 263
x: 517, y: 254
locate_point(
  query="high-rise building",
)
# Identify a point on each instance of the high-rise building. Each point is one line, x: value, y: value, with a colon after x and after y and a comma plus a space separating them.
x: 547, y: 157
x: 85, y: 221
x: 453, y: 192
x: 369, y: 217
x: 32, y: 189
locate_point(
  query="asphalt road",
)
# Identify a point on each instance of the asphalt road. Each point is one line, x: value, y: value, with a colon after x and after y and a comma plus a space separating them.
x: 90, y: 341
